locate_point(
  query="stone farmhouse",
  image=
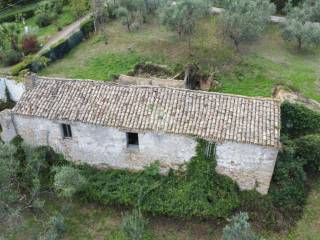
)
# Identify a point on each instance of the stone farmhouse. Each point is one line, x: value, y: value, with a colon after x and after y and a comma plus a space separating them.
x: 129, y: 127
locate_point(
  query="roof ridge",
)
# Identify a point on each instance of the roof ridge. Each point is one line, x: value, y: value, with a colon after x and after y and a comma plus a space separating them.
x: 160, y: 87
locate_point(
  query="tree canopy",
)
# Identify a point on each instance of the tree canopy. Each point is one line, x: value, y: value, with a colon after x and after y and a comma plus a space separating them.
x: 300, y: 26
x: 245, y: 20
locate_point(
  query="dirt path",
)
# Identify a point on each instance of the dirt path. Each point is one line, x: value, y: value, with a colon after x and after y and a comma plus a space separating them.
x: 64, y: 33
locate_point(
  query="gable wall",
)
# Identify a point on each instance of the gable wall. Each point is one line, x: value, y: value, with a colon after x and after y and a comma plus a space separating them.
x: 251, y: 166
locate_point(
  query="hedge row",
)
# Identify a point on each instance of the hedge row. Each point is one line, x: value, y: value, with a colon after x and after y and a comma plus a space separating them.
x: 60, y: 49
x: 28, y: 13
x: 298, y: 120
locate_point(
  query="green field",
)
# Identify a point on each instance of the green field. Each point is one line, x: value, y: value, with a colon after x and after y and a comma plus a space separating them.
x: 254, y: 72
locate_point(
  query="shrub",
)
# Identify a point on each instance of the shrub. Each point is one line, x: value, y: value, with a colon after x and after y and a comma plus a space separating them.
x: 31, y: 62
x: 55, y: 228
x: 45, y: 13
x: 10, y: 57
x: 288, y: 188
x: 308, y: 148
x: 68, y: 181
x: 87, y: 27
x: 261, y: 209
x: 239, y: 229
x: 133, y: 225
x: 75, y: 39
x: 297, y: 120
x: 58, y: 6
x: 79, y: 7
x: 198, y: 192
x: 43, y: 20
x: 30, y: 44
x: 282, y: 3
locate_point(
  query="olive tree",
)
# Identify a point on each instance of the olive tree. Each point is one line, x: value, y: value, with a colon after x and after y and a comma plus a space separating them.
x: 133, y: 225
x: 239, y: 229
x: 181, y: 16
x: 68, y: 181
x: 300, y: 28
x: 245, y: 20
x: 313, y: 7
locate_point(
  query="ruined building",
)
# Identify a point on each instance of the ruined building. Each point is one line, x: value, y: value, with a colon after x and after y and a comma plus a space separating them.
x: 129, y: 127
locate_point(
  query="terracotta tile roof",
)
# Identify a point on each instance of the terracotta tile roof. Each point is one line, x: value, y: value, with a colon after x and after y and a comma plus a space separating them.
x: 211, y: 116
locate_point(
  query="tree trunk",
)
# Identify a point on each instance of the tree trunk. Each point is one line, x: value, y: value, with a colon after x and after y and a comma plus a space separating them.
x: 299, y: 43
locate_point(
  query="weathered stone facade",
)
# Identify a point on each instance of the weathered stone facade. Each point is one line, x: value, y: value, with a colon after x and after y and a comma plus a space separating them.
x: 107, y: 147
x: 251, y: 166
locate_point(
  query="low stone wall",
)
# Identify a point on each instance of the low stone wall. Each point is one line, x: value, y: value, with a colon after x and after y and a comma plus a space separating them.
x: 151, y: 81
x: 15, y: 89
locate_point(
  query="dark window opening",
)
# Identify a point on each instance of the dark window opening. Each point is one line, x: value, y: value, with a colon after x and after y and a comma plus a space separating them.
x: 66, y: 128
x: 132, y: 139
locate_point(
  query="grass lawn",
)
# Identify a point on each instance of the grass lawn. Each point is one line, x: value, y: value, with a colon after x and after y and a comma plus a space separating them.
x: 263, y: 65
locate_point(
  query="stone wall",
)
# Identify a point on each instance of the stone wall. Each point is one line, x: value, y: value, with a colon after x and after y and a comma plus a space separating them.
x: 16, y: 89
x: 150, y: 81
x: 251, y: 166
x: 107, y: 147
x: 8, y: 130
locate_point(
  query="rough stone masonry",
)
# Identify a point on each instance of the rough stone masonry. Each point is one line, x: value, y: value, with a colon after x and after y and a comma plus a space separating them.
x: 129, y: 127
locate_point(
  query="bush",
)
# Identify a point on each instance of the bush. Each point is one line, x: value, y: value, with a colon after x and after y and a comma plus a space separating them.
x: 33, y: 63
x: 68, y: 181
x: 10, y: 57
x: 282, y: 3
x: 297, y: 120
x: 30, y: 44
x: 261, y: 209
x: 79, y: 7
x: 288, y: 188
x: 87, y: 27
x: 55, y: 228
x: 58, y: 6
x: 239, y: 229
x: 308, y: 148
x: 198, y: 192
x: 43, y: 20
x: 45, y: 13
x: 75, y: 39
x: 133, y: 225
